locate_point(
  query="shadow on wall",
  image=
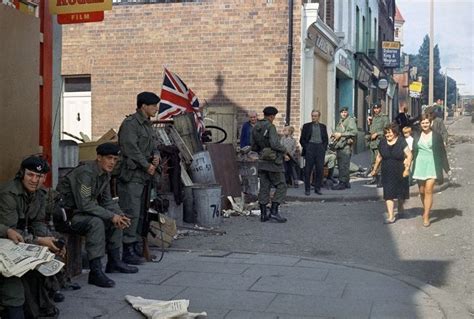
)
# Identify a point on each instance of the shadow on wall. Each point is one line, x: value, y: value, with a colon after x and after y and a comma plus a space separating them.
x: 224, y: 112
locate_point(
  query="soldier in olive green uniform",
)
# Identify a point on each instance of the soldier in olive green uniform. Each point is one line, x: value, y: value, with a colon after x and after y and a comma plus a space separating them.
x: 376, y: 125
x: 266, y: 142
x: 22, y: 219
x: 343, y: 137
x: 138, y: 142
x: 85, y: 194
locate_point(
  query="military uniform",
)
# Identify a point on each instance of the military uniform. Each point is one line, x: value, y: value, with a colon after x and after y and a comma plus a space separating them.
x: 348, y: 129
x: 25, y: 212
x: 137, y: 141
x: 271, y: 171
x: 379, y: 122
x: 85, y: 192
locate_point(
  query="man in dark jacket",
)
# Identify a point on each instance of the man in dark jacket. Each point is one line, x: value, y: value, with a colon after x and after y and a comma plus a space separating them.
x: 85, y: 192
x: 271, y: 171
x: 314, y: 140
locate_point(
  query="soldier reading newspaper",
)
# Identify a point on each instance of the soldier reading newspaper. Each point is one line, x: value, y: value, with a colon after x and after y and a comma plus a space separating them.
x: 27, y: 249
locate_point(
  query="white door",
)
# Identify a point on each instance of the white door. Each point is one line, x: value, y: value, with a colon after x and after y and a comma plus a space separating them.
x: 76, y: 114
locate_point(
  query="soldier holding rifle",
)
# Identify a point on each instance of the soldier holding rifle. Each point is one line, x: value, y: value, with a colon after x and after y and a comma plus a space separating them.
x: 86, y: 197
x: 138, y: 142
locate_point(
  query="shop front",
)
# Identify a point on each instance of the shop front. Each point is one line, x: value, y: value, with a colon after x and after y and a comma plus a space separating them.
x: 344, y: 81
x: 318, y: 68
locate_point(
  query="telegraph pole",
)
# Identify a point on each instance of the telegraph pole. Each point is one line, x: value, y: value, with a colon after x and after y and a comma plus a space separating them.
x: 431, y: 76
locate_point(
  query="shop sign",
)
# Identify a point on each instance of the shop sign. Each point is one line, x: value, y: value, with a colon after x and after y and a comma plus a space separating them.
x: 416, y: 86
x: 82, y: 17
x: 391, y: 54
x: 363, y: 75
x: 322, y: 46
x: 78, y: 6
x: 344, y: 64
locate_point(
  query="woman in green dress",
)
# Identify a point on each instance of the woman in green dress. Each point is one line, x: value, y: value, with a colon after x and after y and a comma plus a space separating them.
x: 429, y: 162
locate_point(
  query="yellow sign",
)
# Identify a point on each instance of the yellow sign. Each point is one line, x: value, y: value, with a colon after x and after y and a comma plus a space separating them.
x: 78, y: 6
x: 416, y: 86
x: 390, y: 45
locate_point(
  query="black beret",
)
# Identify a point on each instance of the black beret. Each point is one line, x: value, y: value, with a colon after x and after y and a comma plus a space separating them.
x: 270, y: 110
x: 342, y: 109
x: 108, y: 149
x: 376, y: 106
x: 147, y: 98
x: 35, y: 164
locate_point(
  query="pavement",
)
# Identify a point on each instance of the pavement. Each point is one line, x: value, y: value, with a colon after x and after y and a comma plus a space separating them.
x: 233, y: 284
x: 253, y: 285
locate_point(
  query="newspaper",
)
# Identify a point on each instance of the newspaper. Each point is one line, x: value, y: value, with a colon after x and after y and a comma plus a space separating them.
x: 161, y: 309
x: 18, y: 259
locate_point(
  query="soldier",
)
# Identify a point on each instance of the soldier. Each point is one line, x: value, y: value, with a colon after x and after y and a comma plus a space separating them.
x: 22, y: 219
x: 271, y: 171
x: 138, y: 142
x: 376, y: 123
x: 85, y: 193
x: 343, y: 138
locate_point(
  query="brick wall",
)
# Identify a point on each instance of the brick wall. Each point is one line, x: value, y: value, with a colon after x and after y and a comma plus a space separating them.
x: 228, y: 52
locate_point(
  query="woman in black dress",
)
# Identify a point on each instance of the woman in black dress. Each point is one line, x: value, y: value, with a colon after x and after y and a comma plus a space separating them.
x: 395, y: 157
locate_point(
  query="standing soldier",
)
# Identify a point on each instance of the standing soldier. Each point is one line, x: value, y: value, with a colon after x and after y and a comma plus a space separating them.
x: 85, y: 193
x: 22, y: 219
x: 343, y: 137
x: 376, y: 123
x: 271, y: 171
x: 137, y: 141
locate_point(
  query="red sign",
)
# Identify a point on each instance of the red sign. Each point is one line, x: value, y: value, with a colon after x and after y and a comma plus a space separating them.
x: 81, y: 17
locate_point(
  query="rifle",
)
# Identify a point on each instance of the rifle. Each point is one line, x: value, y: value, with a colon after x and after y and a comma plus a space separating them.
x: 146, y: 219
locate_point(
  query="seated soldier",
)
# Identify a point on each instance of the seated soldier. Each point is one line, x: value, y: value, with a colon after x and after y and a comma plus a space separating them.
x: 22, y: 216
x: 86, y: 197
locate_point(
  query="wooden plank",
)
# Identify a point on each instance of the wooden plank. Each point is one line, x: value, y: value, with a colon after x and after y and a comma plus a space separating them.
x: 184, y: 151
x: 185, y: 176
x: 226, y: 170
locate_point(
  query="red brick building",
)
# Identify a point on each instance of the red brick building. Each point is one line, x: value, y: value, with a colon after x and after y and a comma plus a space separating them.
x: 231, y: 53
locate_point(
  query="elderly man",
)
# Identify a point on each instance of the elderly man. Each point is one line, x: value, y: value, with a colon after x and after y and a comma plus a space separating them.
x: 138, y: 142
x: 246, y: 131
x: 271, y: 171
x: 314, y: 140
x: 85, y: 192
x: 343, y: 136
x: 22, y: 219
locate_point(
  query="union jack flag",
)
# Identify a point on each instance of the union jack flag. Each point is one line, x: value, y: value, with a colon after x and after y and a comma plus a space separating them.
x: 177, y: 98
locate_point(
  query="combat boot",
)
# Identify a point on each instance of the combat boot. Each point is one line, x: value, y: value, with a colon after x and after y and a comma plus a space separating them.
x: 97, y: 276
x: 275, y: 215
x: 263, y: 213
x: 114, y: 264
x: 130, y: 257
x: 138, y: 249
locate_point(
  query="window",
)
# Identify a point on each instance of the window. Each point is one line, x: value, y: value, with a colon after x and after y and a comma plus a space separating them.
x: 357, y: 44
x: 397, y: 32
x: 77, y: 84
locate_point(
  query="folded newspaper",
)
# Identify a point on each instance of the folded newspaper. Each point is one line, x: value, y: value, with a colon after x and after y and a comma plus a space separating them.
x: 161, y: 309
x: 17, y: 259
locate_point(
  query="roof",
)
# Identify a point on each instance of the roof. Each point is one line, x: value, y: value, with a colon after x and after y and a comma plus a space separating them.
x: 398, y: 15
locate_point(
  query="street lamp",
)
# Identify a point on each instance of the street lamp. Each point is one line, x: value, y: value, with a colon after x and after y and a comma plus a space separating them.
x: 446, y: 89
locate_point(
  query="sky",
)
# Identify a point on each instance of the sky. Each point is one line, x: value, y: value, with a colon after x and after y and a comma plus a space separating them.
x: 453, y: 33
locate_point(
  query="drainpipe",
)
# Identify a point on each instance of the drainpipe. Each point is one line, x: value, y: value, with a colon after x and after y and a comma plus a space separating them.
x: 290, y: 61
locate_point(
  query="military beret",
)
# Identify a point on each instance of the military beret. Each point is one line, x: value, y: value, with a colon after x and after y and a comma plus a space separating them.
x: 343, y: 109
x: 376, y: 106
x: 35, y: 164
x: 270, y: 110
x: 108, y: 149
x: 147, y: 98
